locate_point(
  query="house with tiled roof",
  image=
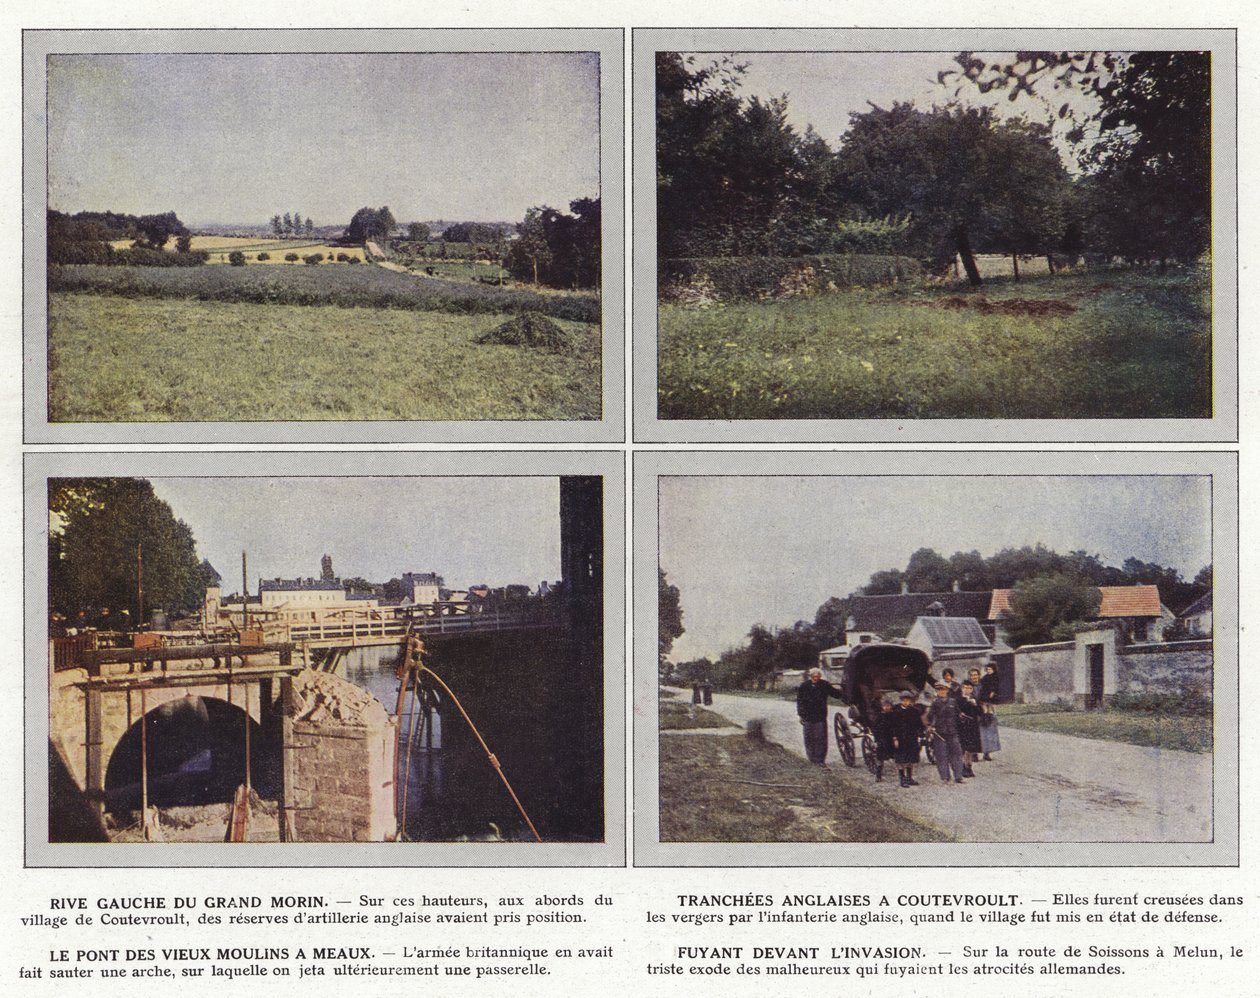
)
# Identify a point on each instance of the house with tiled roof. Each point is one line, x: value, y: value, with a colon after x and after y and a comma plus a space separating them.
x: 1138, y: 608
x: 1197, y: 617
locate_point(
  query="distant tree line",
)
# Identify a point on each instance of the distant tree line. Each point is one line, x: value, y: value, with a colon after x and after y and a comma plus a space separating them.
x: 85, y: 237
x: 292, y: 226
x: 735, y: 179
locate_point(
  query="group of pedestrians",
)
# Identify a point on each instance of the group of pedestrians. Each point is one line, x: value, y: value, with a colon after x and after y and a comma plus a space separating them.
x: 959, y: 722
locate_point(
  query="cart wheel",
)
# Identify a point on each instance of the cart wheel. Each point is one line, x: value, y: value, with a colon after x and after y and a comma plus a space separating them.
x: 868, y: 753
x: 844, y: 740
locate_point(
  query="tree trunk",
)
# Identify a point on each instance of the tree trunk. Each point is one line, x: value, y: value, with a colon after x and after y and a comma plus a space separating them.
x: 963, y: 245
x: 1015, y: 264
x: 1050, y: 263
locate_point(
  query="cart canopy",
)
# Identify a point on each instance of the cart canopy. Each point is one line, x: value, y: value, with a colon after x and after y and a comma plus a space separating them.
x: 873, y: 670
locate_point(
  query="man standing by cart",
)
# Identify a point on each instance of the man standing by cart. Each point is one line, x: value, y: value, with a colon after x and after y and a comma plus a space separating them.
x: 811, y: 708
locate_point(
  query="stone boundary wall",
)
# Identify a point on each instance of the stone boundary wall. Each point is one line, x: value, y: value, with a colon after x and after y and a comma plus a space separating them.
x: 1043, y: 673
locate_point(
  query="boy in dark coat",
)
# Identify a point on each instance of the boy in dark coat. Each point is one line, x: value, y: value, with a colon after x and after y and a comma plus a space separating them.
x: 885, y: 736
x: 907, y: 730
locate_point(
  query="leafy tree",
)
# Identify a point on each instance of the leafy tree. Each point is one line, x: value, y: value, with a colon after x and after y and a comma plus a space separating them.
x: 928, y: 572
x: 96, y: 527
x: 310, y: 227
x: 292, y: 257
x: 531, y: 251
x: 1204, y: 577
x: 1147, y: 145
x: 236, y: 258
x: 183, y: 244
x: 669, y: 616
x: 288, y: 224
x: 831, y: 621
x: 966, y: 179
x: 886, y: 582
x: 418, y: 232
x: 385, y: 223
x: 277, y: 226
x: 156, y: 230
x: 1041, y: 605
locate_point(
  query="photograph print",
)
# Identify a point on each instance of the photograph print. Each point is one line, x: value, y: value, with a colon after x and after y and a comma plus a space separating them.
x: 935, y: 234
x: 413, y: 659
x: 943, y: 659
x: 304, y: 236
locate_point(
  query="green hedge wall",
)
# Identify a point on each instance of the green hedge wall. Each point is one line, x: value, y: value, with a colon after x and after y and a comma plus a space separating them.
x: 754, y: 277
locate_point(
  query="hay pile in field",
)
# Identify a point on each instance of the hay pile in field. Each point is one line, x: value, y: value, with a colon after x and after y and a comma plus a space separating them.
x: 529, y: 329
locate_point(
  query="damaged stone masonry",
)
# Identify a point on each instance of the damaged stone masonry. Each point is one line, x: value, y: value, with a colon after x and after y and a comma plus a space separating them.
x: 338, y: 768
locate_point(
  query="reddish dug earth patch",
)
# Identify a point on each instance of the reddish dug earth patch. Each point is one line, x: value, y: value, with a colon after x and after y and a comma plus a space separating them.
x: 1012, y: 306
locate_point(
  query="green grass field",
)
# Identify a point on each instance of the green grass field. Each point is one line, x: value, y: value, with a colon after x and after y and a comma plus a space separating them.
x: 1166, y: 731
x: 114, y: 358
x: 1110, y: 344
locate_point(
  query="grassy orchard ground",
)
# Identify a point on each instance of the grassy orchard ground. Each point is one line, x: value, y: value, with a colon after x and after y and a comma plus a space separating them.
x: 1109, y: 344
x: 711, y: 791
x: 115, y: 358
x: 676, y: 716
x: 1184, y: 732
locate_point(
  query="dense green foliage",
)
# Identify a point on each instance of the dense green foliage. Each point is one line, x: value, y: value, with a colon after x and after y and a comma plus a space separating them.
x: 1042, y: 605
x: 348, y: 287
x: 86, y: 237
x: 669, y: 616
x: 370, y: 223
x: 749, y: 278
x: 734, y: 178
x: 559, y: 250
x: 100, y: 529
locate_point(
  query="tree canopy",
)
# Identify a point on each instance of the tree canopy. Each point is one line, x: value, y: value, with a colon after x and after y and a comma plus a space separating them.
x: 97, y: 526
x: 669, y: 616
x: 734, y: 178
x: 559, y: 250
x: 1043, y: 608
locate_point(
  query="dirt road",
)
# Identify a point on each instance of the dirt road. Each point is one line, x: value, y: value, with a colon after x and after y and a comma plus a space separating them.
x: 1040, y: 788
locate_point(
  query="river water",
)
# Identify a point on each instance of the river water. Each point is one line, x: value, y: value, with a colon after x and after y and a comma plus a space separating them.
x: 439, y: 808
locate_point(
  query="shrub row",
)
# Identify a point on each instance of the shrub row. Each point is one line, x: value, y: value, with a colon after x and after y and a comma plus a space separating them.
x: 347, y: 287
x: 104, y: 255
x: 744, y: 278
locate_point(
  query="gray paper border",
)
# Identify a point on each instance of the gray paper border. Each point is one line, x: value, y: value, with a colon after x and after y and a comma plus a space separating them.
x: 1222, y: 426
x: 608, y: 42
x: 1222, y: 466
x: 39, y: 467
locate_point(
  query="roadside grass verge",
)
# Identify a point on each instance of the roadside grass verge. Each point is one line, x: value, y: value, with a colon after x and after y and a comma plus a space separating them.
x: 346, y: 287
x: 710, y: 792
x: 1185, y: 733
x: 1113, y: 344
x: 112, y: 358
x: 678, y: 716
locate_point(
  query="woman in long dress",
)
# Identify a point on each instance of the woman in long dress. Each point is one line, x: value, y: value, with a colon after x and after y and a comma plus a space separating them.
x: 988, y: 693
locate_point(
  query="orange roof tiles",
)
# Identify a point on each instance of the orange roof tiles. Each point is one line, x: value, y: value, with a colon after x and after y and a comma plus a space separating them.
x: 1117, y: 601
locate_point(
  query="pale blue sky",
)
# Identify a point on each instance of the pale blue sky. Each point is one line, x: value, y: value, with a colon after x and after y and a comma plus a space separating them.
x: 497, y: 530
x: 239, y: 138
x: 765, y: 550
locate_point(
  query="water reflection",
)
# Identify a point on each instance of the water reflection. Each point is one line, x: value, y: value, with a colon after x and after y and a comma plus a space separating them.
x: 432, y: 813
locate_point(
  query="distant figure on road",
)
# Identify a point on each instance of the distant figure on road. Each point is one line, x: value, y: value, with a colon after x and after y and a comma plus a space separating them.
x: 811, y: 708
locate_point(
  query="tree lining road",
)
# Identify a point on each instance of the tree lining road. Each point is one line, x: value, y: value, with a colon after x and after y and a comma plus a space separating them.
x: 1041, y: 787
